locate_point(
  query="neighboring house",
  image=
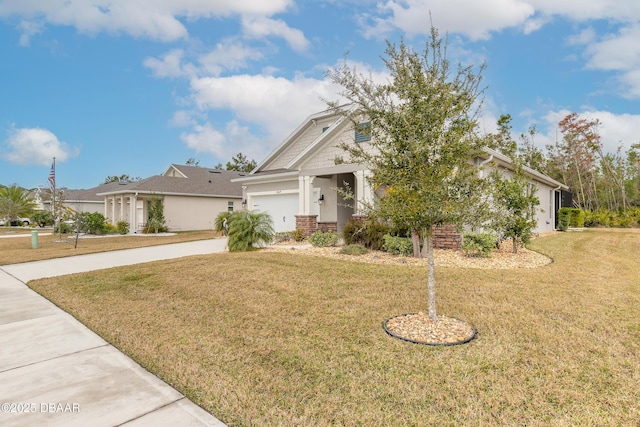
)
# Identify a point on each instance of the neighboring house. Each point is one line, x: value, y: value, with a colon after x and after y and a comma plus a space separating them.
x: 192, y: 197
x: 296, y: 184
x: 77, y: 200
x: 87, y: 200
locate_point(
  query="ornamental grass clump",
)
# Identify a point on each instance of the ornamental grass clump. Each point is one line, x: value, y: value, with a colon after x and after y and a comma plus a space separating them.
x: 248, y: 230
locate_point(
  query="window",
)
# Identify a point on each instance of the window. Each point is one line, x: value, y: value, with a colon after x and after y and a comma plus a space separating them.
x: 230, y: 206
x: 363, y: 132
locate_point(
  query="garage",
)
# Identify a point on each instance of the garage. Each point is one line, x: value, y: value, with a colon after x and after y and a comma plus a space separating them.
x: 283, y: 209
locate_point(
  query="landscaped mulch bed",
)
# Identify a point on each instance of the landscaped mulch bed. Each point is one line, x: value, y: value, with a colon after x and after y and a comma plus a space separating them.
x: 420, y: 329
x: 502, y: 258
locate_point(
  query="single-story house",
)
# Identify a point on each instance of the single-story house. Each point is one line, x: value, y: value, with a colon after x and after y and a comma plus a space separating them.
x: 296, y: 183
x: 77, y: 200
x: 192, y: 197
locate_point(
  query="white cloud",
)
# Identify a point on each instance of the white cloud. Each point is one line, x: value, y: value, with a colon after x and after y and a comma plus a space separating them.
x: 28, y: 29
x: 205, y: 139
x: 477, y: 22
x: 259, y: 27
x: 170, y: 65
x: 36, y: 146
x: 274, y: 103
x: 620, y: 53
x: 616, y: 52
x: 228, y: 55
x: 586, y: 36
x: 139, y: 18
x: 481, y: 18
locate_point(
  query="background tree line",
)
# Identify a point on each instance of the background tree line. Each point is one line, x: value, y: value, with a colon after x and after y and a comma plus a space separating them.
x: 598, y: 180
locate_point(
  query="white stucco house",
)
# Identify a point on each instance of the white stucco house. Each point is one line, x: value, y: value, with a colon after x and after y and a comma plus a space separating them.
x: 296, y: 183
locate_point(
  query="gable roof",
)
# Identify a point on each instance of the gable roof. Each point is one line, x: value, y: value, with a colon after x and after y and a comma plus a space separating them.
x: 310, y: 121
x: 90, y: 194
x: 189, y: 181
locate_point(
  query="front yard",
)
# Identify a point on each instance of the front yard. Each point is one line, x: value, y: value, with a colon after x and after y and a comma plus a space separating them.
x: 18, y: 247
x: 270, y: 338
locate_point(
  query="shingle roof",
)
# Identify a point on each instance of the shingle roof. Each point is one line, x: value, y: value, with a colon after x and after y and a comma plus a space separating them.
x: 198, y: 181
x: 90, y: 194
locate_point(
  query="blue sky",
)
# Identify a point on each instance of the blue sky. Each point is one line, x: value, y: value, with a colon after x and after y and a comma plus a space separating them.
x: 113, y: 87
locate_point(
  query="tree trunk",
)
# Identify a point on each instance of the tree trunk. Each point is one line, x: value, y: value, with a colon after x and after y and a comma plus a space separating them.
x: 431, y: 278
x: 415, y: 239
x: 515, y: 245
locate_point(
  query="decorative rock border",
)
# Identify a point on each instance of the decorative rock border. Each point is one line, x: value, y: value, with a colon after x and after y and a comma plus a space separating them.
x: 417, y: 328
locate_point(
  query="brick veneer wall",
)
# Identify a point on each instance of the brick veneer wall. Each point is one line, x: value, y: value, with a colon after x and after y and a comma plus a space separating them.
x: 446, y: 237
x: 307, y: 223
x: 328, y: 226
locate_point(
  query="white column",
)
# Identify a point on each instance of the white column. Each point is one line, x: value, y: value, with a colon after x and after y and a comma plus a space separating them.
x: 363, y: 190
x: 133, y: 217
x: 301, y: 191
x: 113, y: 209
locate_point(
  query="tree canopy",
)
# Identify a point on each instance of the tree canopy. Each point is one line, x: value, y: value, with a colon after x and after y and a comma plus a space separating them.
x: 239, y: 163
x: 120, y: 178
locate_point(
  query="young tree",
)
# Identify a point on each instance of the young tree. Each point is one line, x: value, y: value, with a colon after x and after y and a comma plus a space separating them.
x: 422, y: 126
x: 515, y: 206
x: 156, y: 221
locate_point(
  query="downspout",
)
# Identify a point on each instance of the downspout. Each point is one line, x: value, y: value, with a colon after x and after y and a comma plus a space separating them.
x: 555, y: 214
x: 484, y: 162
x: 134, y: 214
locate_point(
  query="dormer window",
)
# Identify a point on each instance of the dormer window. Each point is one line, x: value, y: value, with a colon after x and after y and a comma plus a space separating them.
x: 363, y: 132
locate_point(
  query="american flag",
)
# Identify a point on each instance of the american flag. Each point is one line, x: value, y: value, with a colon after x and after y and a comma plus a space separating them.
x: 52, y: 178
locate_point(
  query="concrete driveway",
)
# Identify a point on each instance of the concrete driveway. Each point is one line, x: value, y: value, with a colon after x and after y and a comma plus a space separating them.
x: 56, y: 372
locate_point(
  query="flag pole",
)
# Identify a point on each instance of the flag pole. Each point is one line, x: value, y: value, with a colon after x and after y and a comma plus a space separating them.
x: 52, y: 187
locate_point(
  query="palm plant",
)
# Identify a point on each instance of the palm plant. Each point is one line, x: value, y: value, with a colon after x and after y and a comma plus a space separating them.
x: 248, y: 229
x: 15, y: 202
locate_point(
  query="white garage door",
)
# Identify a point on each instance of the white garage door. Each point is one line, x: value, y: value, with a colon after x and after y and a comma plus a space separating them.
x: 283, y: 209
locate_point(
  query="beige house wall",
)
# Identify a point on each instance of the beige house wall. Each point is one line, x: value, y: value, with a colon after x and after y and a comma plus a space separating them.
x: 89, y: 207
x: 195, y: 213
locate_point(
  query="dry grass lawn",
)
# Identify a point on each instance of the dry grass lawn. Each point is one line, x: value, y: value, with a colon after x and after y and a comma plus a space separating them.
x: 268, y: 338
x: 18, y: 249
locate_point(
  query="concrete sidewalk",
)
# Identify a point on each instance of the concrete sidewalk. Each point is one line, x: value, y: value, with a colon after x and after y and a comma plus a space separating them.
x: 56, y: 372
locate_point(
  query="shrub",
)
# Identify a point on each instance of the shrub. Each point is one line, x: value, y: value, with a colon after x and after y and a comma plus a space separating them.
x: 298, y: 235
x: 248, y: 229
x: 478, y: 244
x: 282, y: 236
x: 564, y: 218
x: 42, y: 218
x: 324, y: 239
x: 92, y: 223
x: 398, y: 245
x: 122, y: 227
x: 369, y: 233
x: 63, y: 227
x: 354, y: 250
x: 570, y: 217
